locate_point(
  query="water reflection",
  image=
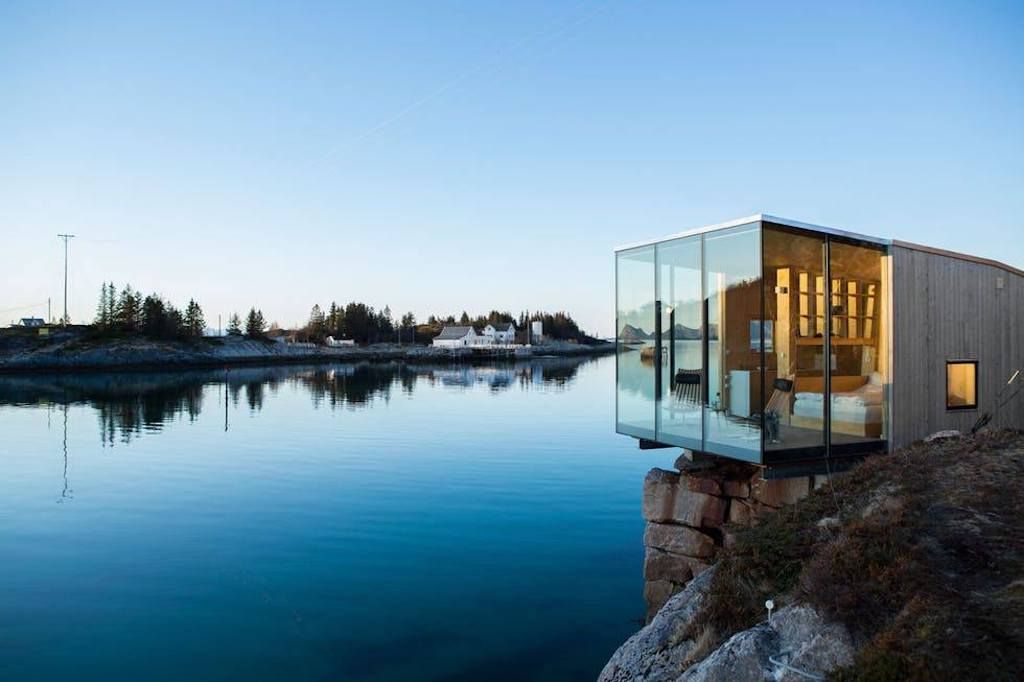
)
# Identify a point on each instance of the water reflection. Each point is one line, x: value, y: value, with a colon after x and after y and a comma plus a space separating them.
x: 131, y: 404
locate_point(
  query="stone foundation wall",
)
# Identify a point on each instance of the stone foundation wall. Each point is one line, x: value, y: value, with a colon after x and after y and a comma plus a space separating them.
x: 689, y: 513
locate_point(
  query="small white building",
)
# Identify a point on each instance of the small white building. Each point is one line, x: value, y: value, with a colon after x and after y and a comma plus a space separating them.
x: 536, y: 331
x: 339, y: 343
x: 457, y: 337
x: 500, y: 332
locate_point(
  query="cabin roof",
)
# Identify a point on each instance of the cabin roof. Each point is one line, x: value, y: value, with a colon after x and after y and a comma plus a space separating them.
x: 454, y: 332
x: 789, y: 222
x: 759, y: 217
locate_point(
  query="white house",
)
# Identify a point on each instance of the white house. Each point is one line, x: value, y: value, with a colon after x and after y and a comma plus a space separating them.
x: 500, y: 332
x: 339, y: 343
x: 456, y: 337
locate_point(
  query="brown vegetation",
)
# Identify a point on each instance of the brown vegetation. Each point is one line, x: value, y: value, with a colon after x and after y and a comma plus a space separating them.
x: 920, y: 554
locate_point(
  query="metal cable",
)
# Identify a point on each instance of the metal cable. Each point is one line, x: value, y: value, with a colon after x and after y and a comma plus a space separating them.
x: 796, y: 671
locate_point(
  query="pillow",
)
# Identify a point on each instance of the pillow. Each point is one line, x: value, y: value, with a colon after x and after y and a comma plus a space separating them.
x: 875, y: 379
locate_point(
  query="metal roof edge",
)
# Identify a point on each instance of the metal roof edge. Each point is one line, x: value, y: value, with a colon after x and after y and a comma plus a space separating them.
x: 935, y: 251
x: 757, y: 217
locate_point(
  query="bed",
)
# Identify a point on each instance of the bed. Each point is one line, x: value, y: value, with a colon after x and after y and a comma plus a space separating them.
x: 857, y: 404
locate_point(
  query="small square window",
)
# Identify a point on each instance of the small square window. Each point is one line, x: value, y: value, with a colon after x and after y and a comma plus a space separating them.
x: 961, y: 385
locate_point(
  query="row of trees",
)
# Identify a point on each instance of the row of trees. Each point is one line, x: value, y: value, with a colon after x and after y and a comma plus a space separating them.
x: 357, y: 321
x: 128, y: 312
x: 255, y: 326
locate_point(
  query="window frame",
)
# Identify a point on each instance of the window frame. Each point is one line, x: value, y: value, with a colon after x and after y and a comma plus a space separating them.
x: 972, y: 406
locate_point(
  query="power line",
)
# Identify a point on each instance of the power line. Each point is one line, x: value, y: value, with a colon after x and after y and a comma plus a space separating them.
x: 66, y: 238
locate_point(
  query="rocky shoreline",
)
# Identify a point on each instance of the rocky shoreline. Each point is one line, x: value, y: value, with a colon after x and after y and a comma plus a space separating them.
x: 72, y: 352
x: 905, y: 567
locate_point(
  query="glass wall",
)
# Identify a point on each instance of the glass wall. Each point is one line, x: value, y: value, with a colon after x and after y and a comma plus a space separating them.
x: 635, y: 342
x: 759, y: 342
x: 858, y: 344
x: 794, y: 340
x: 681, y: 348
x: 732, y: 308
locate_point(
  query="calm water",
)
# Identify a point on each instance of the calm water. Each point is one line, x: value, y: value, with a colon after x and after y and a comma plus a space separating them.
x: 351, y: 522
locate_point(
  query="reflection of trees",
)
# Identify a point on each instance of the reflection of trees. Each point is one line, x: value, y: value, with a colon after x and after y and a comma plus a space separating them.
x: 127, y: 415
x: 128, y: 404
x: 353, y: 385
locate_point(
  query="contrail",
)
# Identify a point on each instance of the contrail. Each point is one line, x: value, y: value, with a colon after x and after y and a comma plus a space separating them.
x: 493, y: 66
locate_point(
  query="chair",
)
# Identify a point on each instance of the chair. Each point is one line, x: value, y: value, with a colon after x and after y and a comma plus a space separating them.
x: 777, y: 407
x: 686, y: 386
x: 780, y: 396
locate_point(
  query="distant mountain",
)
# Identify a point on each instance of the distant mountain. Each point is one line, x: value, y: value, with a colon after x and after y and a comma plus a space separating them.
x: 630, y: 333
x: 684, y: 333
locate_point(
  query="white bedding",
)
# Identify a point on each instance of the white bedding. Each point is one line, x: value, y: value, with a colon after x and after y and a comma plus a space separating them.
x: 859, y: 414
x: 863, y: 405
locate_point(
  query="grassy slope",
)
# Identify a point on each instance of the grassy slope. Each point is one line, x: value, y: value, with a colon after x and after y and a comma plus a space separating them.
x: 921, y: 556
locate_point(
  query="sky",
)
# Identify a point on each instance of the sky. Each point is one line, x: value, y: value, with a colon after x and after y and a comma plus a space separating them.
x: 444, y: 156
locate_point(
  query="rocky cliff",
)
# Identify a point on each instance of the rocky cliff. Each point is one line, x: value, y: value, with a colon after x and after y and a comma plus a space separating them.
x: 909, y: 567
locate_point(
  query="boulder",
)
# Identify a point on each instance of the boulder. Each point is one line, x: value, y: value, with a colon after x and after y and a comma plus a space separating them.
x: 679, y: 540
x: 740, y: 513
x: 797, y: 637
x: 733, y: 488
x: 656, y: 593
x: 701, y: 484
x: 816, y: 646
x: 659, y: 650
x: 943, y: 435
x: 669, y: 498
x: 659, y: 495
x: 699, y: 510
x: 743, y: 658
x: 662, y: 565
x: 780, y: 492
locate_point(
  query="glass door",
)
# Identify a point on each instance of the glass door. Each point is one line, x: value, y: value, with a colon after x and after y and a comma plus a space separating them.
x: 680, y: 355
x: 635, y: 357
x: 858, y: 346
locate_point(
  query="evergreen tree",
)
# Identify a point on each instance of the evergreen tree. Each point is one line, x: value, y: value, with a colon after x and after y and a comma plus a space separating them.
x: 316, y: 328
x: 255, y: 325
x: 104, y: 310
x: 154, y: 318
x: 195, y: 324
x: 334, y: 319
x: 234, y: 325
x: 464, y: 320
x: 128, y: 311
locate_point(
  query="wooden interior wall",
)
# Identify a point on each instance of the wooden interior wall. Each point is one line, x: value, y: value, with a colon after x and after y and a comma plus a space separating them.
x: 946, y: 308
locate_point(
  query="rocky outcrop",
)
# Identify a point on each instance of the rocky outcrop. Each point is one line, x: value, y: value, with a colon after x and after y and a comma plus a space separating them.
x: 660, y: 650
x: 798, y: 644
x: 688, y: 512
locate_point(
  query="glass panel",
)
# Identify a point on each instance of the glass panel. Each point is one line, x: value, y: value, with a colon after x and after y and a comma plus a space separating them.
x: 732, y: 290
x: 681, y: 350
x: 858, y: 347
x: 635, y: 352
x: 794, y: 344
x: 961, y: 385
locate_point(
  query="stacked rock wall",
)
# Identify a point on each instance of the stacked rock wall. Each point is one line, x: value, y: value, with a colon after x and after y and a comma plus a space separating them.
x: 690, y: 510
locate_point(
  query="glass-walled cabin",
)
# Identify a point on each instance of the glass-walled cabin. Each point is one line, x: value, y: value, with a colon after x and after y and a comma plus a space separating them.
x: 761, y: 341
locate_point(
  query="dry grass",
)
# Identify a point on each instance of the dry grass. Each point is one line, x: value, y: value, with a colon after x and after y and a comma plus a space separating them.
x: 925, y: 565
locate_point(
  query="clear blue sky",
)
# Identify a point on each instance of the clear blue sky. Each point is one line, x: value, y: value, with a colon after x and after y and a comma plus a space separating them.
x: 440, y: 156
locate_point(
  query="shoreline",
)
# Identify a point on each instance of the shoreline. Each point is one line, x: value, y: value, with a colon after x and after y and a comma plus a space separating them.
x: 149, y: 356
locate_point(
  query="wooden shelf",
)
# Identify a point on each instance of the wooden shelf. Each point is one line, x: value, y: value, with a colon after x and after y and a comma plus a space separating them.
x: 836, y: 341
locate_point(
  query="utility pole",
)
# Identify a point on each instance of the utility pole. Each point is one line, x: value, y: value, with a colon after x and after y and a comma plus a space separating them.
x: 66, y: 238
